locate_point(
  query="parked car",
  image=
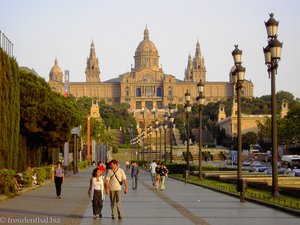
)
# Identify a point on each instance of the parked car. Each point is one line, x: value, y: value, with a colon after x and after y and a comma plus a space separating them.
x: 280, y: 171
x: 256, y: 163
x: 246, y: 163
x: 258, y: 168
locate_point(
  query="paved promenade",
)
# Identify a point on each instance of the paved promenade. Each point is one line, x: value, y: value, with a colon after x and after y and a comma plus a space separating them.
x: 177, y: 205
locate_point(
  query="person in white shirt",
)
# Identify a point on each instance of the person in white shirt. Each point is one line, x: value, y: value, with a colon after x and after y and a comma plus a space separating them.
x: 152, y: 168
x: 96, y: 192
x: 115, y: 177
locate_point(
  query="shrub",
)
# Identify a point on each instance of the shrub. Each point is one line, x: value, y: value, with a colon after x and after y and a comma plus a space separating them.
x: 41, y: 174
x: 7, y: 181
x: 27, y: 177
x: 49, y: 172
x: 82, y: 164
x: 124, y: 146
x: 115, y: 149
x: 184, y: 154
x: 180, y: 168
x: 142, y: 164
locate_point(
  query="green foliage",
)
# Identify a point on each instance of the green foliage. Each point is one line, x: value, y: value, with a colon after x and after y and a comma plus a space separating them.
x: 10, y: 112
x: 248, y: 139
x: 83, y: 164
x: 48, y: 170
x: 41, y: 174
x: 46, y: 118
x: 27, y: 177
x: 84, y: 105
x: 7, y: 181
x: 124, y: 145
x: 117, y: 116
x: 180, y: 168
x: 115, y: 149
x: 185, y: 155
x: 288, y: 127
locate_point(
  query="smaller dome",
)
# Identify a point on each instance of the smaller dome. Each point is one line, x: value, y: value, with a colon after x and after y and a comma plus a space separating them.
x: 55, y: 69
x: 55, y: 72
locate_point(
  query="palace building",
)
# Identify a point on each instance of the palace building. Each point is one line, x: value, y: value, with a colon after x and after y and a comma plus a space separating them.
x: 146, y: 88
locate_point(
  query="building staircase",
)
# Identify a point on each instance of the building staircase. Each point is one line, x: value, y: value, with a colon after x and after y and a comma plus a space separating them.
x: 117, y: 137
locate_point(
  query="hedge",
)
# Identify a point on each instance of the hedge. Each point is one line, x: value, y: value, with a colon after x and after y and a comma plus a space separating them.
x: 7, y: 181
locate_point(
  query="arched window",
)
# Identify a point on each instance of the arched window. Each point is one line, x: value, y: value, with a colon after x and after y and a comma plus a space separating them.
x: 138, y: 92
x: 170, y: 91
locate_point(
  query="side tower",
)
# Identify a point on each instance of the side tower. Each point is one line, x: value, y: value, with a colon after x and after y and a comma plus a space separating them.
x: 284, y: 108
x: 196, y: 70
x: 92, y: 70
x: 221, y: 114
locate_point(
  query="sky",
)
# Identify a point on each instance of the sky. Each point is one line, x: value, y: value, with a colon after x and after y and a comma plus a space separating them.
x: 44, y: 30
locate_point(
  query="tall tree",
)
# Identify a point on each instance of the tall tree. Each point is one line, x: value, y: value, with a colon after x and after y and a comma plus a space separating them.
x: 46, y: 117
x: 9, y: 112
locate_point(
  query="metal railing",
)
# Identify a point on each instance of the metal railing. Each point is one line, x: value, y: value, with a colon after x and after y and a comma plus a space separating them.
x: 6, y: 44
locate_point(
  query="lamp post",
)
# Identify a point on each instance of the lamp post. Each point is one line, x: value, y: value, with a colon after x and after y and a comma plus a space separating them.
x: 153, y: 111
x: 131, y: 137
x: 150, y: 134
x: 165, y: 130
x: 238, y: 78
x: 143, y: 146
x: 171, y: 121
x: 156, y: 130
x: 187, y: 110
x: 272, y: 53
x: 160, y: 128
x: 200, y: 100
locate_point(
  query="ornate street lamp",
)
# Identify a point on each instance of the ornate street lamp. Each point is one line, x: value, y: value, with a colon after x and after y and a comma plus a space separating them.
x: 200, y: 100
x: 156, y: 130
x: 153, y: 111
x: 131, y: 137
x: 150, y: 134
x: 160, y: 128
x: 165, y: 130
x: 143, y: 147
x: 188, y: 110
x: 171, y: 121
x: 272, y: 53
x: 238, y: 78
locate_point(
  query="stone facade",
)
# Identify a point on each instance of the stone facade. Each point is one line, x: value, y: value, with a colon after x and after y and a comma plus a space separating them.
x: 248, y: 122
x: 147, y: 88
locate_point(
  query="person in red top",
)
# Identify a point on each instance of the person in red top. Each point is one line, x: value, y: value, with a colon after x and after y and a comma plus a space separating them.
x: 101, y: 166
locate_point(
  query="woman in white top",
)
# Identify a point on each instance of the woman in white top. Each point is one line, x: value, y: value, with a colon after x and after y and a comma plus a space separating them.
x: 96, y: 192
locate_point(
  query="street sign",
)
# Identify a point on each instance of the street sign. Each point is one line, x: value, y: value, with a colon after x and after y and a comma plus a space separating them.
x: 76, y: 130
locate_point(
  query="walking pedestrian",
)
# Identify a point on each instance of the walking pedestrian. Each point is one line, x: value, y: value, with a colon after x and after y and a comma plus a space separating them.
x: 127, y: 165
x: 135, y: 172
x: 58, y: 178
x: 96, y: 192
x: 101, y: 166
x: 152, y: 168
x: 157, y: 176
x: 113, y: 181
x: 163, y: 172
